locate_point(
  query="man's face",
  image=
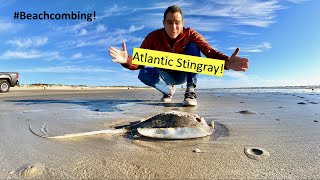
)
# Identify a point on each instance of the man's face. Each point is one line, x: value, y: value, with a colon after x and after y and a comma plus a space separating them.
x: 173, y: 24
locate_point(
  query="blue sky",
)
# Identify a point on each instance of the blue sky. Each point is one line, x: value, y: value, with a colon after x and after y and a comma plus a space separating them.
x: 280, y: 37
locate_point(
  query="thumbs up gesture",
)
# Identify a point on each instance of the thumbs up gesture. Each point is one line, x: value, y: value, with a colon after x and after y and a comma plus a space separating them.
x: 237, y: 63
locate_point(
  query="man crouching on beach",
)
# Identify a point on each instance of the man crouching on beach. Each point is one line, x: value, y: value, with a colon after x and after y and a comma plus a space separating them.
x: 175, y: 38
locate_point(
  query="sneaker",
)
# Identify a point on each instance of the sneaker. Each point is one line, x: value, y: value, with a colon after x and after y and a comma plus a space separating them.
x: 190, y: 99
x: 168, y: 97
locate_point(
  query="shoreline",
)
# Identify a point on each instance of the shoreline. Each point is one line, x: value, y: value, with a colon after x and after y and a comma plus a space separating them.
x: 72, y: 87
x: 57, y: 86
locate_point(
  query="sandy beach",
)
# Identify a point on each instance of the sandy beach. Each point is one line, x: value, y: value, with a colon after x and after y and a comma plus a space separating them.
x: 282, y: 123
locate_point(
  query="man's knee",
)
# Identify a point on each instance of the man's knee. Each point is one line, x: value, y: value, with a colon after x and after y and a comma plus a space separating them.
x: 142, y: 74
x: 192, y: 49
x: 148, y: 76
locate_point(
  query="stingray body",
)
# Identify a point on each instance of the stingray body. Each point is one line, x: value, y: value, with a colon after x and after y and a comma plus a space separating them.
x: 171, y: 120
x: 168, y: 125
x: 174, y: 125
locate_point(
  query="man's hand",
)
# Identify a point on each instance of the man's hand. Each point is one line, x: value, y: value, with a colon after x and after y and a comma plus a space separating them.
x: 237, y: 63
x: 120, y: 56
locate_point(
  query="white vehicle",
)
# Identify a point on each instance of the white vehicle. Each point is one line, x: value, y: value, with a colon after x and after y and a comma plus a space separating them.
x: 7, y: 80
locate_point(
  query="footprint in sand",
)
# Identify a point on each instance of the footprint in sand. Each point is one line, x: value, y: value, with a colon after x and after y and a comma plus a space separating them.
x: 247, y: 112
x: 301, y: 103
x: 315, y: 121
x: 27, y: 171
x: 313, y: 102
x: 176, y: 109
x: 256, y: 153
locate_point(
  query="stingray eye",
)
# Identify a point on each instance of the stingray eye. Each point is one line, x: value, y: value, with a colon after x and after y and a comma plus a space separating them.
x: 198, y: 119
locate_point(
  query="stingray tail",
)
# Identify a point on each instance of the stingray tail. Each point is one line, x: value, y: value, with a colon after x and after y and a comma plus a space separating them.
x: 90, y: 133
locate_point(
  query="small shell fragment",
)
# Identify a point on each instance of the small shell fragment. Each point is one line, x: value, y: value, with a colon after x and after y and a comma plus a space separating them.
x: 256, y: 153
x: 197, y: 151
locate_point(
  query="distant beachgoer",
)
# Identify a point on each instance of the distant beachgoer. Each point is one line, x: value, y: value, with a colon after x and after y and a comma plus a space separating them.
x: 175, y: 38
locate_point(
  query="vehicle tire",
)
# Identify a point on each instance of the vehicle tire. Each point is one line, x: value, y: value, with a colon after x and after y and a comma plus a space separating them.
x: 4, y: 86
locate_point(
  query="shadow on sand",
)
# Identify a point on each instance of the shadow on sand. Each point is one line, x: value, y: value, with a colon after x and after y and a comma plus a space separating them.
x: 92, y: 104
x: 109, y: 105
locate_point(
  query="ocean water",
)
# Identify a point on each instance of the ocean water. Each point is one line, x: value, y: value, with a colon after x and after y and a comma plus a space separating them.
x: 261, y: 90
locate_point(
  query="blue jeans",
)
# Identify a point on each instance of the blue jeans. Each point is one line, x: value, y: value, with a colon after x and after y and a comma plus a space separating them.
x: 160, y: 79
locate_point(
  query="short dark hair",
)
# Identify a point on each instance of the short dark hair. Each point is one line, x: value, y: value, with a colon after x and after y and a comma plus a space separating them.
x: 172, y: 9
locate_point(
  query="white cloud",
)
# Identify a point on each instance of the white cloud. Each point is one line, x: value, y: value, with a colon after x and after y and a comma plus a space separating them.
x: 76, y: 56
x: 200, y: 24
x: 96, y: 38
x: 48, y: 56
x: 67, y: 69
x: 116, y: 10
x: 9, y: 27
x: 107, y: 39
x: 31, y: 54
x: 297, y: 1
x: 233, y: 79
x: 241, y: 32
x: 81, y: 43
x: 75, y: 27
x: 254, y: 22
x: 245, y: 12
x: 131, y: 29
x: 163, y: 5
x: 243, y: 8
x: 254, y: 48
x: 134, y: 28
x: 217, y: 15
x: 82, y: 32
x: 119, y: 39
x: 5, y: 3
x: 150, y: 20
x: 5, y: 26
x: 28, y: 42
x: 235, y: 74
x: 101, y: 28
x: 102, y: 39
x: 230, y: 79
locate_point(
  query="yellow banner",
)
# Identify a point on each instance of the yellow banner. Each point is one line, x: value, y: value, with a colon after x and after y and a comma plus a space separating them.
x: 179, y: 62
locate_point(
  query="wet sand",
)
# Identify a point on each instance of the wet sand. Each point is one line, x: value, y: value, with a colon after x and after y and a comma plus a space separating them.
x: 266, y: 135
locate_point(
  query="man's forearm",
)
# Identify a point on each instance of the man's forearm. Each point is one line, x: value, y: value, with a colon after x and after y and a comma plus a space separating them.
x: 227, y: 64
x: 131, y: 66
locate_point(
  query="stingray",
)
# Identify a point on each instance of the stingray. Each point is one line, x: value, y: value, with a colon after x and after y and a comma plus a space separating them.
x: 168, y: 125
